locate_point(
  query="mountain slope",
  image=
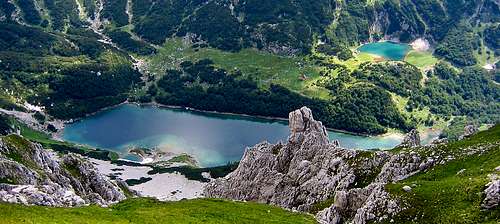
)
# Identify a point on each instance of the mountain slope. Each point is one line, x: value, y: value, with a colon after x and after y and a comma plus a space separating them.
x: 309, y: 173
x: 74, y: 58
x: 453, y: 192
x: 70, y: 74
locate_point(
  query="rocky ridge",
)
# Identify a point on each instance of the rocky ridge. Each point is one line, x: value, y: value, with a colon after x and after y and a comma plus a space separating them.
x: 309, y: 170
x: 32, y: 175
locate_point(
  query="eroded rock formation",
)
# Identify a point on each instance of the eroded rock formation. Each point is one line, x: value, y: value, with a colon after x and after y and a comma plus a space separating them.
x: 32, y: 175
x: 308, y: 170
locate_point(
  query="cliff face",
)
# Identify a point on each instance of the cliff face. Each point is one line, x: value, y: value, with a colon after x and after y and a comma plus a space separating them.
x: 32, y: 175
x: 307, y: 170
x: 310, y: 173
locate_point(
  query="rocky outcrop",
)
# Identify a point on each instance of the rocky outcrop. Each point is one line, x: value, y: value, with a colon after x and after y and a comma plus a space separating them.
x: 468, y: 131
x: 11, y: 170
x: 90, y: 183
x: 362, y: 204
x: 402, y: 165
x: 295, y: 175
x: 48, y: 195
x: 308, y: 170
x: 411, y: 139
x: 32, y: 175
x: 492, y: 193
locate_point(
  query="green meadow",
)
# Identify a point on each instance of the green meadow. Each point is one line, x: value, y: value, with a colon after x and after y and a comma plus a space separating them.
x: 146, y: 210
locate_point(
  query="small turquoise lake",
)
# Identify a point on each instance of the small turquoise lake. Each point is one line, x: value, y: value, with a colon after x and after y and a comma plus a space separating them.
x: 387, y: 49
x: 212, y: 139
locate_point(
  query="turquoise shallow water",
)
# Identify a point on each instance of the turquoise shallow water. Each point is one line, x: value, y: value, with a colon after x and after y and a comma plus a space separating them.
x: 213, y: 139
x: 386, y: 49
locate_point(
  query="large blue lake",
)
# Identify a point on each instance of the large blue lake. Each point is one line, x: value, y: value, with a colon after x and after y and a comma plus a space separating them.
x: 387, y: 49
x: 213, y: 139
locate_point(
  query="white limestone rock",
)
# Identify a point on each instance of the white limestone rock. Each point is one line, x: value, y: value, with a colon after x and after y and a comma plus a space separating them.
x: 492, y: 193
x: 35, y: 176
x: 309, y: 169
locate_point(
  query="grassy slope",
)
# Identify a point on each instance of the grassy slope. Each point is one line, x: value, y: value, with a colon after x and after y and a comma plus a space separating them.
x: 34, y: 135
x: 150, y: 211
x: 48, y: 142
x: 443, y: 196
x: 263, y: 67
x: 483, y: 54
x: 267, y: 68
x: 420, y: 114
x: 358, y: 59
x: 421, y: 59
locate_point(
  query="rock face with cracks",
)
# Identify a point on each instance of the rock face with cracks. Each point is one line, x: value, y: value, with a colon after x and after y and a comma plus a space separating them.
x: 31, y: 175
x: 308, y: 170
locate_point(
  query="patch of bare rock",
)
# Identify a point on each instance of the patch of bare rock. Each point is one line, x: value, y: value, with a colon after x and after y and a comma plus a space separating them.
x: 32, y: 175
x: 492, y: 193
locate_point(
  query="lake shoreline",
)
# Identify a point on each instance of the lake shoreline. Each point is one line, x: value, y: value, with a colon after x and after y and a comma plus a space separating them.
x: 398, y: 50
x: 175, y: 186
x: 173, y: 129
x: 269, y: 118
x: 58, y: 135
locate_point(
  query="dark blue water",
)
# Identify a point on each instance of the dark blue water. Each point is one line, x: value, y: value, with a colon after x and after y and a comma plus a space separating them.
x: 213, y: 139
x: 387, y: 49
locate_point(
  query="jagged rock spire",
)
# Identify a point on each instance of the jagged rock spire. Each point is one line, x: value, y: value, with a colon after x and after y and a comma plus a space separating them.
x: 296, y: 174
x: 301, y: 123
x: 309, y: 169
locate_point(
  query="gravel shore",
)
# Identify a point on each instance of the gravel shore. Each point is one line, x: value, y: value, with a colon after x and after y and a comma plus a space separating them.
x: 165, y: 187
